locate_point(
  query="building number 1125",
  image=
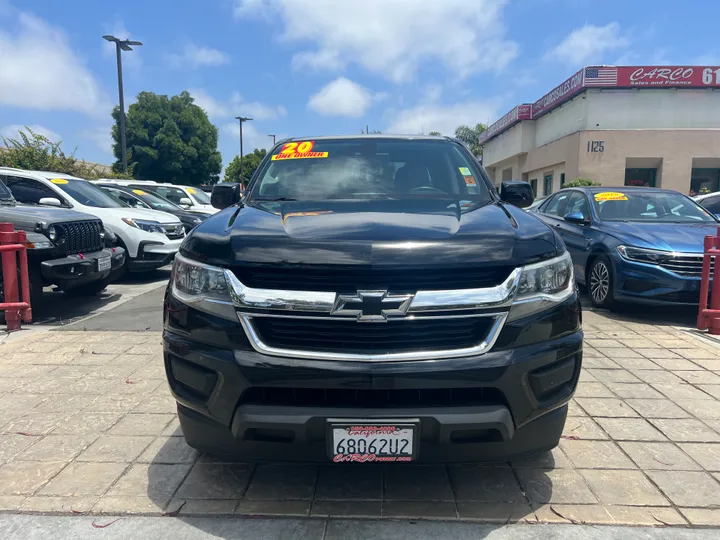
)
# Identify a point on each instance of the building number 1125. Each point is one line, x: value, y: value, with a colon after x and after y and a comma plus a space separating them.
x: 596, y: 146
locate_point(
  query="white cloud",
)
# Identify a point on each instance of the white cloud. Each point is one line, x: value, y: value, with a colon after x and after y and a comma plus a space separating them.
x: 102, y: 139
x: 195, y: 56
x: 391, y: 37
x: 442, y: 118
x: 40, y: 70
x: 13, y: 130
x: 341, y: 97
x: 235, y: 106
x: 588, y: 44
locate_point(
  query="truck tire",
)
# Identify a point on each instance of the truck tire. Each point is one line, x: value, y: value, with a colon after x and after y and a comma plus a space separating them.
x: 91, y: 289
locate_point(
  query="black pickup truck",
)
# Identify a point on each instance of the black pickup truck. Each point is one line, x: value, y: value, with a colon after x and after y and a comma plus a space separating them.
x: 67, y: 249
x: 372, y: 299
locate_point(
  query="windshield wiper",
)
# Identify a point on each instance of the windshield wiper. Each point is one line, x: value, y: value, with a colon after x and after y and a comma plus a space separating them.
x: 273, y: 199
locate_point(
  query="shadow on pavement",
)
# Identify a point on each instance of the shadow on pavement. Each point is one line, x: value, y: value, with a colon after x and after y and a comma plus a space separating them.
x: 188, y: 485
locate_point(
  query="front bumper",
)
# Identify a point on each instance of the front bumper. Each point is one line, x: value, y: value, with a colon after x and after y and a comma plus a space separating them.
x: 650, y: 284
x: 75, y: 270
x: 508, y: 402
x: 152, y: 255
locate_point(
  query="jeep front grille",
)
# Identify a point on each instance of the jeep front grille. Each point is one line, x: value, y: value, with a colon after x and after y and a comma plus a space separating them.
x: 80, y: 236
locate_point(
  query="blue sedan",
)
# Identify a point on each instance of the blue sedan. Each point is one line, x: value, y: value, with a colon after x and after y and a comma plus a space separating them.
x: 632, y: 244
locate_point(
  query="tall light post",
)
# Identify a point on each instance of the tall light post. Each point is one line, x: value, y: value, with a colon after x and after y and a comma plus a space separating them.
x: 242, y: 120
x: 122, y: 45
x: 273, y: 136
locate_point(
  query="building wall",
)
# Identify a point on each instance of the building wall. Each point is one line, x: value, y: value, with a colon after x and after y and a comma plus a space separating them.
x: 674, y: 152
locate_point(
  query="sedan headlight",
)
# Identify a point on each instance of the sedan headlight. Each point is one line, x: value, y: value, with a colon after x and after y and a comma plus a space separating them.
x: 203, y: 287
x: 543, y: 284
x: 650, y: 256
x: 145, y: 225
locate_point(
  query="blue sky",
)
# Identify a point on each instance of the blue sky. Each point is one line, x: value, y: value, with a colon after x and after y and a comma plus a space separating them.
x: 307, y: 67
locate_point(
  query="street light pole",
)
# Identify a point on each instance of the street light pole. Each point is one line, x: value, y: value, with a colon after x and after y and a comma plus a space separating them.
x: 242, y: 119
x: 273, y: 136
x: 121, y: 45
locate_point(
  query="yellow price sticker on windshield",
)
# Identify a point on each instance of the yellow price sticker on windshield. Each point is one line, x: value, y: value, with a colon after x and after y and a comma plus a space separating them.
x: 610, y: 196
x: 190, y: 190
x: 139, y: 192
x: 298, y: 150
x: 58, y: 181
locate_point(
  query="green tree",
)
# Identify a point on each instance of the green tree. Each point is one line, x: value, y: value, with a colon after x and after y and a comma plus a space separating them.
x: 582, y: 182
x: 35, y: 152
x: 169, y: 140
x: 250, y: 163
x: 471, y: 137
x: 435, y: 133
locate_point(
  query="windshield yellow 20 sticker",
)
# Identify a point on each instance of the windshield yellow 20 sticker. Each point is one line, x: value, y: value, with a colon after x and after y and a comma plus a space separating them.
x: 610, y: 196
x: 58, y: 181
x: 139, y: 192
x: 298, y: 150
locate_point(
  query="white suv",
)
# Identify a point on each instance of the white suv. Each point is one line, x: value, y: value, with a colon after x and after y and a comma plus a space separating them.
x: 187, y: 197
x: 150, y: 238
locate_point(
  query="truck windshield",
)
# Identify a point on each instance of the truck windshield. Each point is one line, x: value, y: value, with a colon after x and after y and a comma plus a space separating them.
x: 648, y: 206
x: 86, y: 193
x: 373, y: 168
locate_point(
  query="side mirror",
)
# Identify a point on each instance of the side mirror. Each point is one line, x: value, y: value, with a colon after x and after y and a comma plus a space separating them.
x: 577, y: 218
x: 50, y: 201
x: 185, y: 201
x: 225, y: 194
x: 517, y: 193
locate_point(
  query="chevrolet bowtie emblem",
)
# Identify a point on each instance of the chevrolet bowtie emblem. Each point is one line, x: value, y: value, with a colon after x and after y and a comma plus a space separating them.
x: 372, y: 306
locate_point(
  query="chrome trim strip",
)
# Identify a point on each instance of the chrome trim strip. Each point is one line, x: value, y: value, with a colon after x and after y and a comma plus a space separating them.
x: 497, y: 296
x: 327, y: 302
x: 480, y: 348
x: 247, y: 297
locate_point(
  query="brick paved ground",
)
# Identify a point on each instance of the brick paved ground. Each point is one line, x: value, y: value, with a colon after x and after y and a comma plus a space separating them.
x: 87, y: 426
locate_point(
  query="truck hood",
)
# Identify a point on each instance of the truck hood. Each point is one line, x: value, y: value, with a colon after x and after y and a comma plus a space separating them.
x: 680, y: 237
x: 348, y: 233
x: 26, y: 217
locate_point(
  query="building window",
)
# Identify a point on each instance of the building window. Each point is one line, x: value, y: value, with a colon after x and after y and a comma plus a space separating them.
x: 547, y: 184
x: 533, y: 184
x: 704, y: 181
x: 640, y: 177
x: 562, y: 180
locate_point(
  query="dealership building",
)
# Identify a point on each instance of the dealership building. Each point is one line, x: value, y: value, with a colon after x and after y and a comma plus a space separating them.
x: 619, y: 126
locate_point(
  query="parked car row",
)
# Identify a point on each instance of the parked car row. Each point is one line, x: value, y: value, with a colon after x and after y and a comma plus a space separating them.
x: 83, y: 235
x: 631, y: 244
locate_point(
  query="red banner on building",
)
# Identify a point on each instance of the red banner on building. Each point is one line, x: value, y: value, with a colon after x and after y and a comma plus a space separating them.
x: 521, y: 112
x: 671, y: 76
x: 558, y: 94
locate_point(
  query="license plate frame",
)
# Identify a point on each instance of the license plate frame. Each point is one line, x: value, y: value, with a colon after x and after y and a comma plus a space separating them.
x: 104, y: 263
x: 382, y: 427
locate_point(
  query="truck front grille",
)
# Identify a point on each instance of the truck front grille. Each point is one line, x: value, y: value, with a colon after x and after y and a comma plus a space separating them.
x: 403, y: 335
x: 80, y: 236
x: 350, y: 279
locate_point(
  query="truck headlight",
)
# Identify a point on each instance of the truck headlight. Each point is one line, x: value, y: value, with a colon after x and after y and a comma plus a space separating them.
x: 145, y: 225
x: 543, y: 284
x: 203, y: 287
x: 52, y: 233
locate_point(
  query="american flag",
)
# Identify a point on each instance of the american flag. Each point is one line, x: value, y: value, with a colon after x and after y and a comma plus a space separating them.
x: 604, y: 76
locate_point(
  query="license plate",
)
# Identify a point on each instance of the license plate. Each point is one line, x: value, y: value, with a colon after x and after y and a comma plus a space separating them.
x: 104, y: 264
x: 365, y: 442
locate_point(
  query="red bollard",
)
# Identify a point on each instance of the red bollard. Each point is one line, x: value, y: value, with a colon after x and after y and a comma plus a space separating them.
x: 709, y: 317
x: 12, y: 241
